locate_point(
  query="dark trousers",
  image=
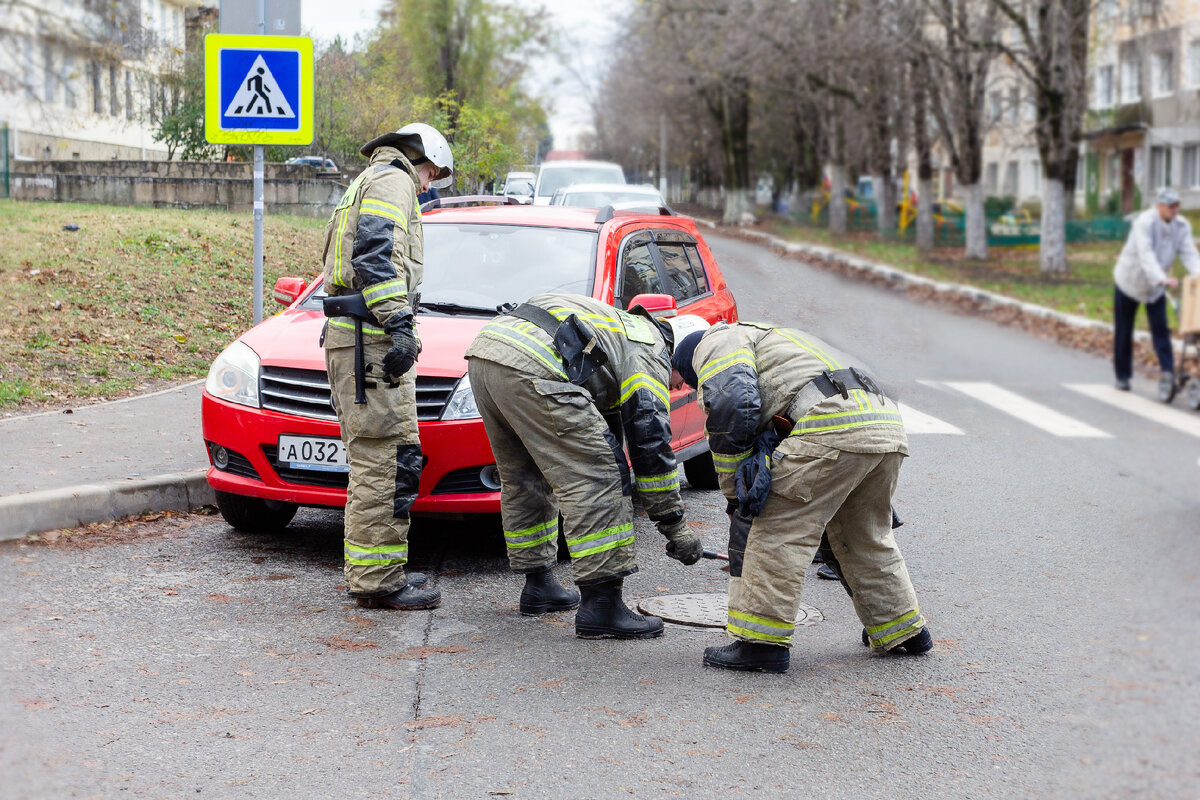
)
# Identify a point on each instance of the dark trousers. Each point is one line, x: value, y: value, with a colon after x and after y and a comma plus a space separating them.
x: 1124, y: 311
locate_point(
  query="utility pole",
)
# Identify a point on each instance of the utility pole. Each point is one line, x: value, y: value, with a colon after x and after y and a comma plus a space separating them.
x: 258, y: 197
x: 662, y: 154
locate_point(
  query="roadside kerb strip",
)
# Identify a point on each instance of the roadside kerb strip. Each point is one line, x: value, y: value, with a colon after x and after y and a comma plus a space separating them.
x: 70, y: 507
x: 905, y: 280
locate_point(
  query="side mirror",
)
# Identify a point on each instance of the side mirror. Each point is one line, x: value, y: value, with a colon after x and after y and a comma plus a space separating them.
x: 288, y: 289
x: 654, y: 303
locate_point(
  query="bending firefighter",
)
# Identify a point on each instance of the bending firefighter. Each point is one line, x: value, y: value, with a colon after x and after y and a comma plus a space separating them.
x: 373, y: 265
x: 834, y: 470
x: 560, y: 381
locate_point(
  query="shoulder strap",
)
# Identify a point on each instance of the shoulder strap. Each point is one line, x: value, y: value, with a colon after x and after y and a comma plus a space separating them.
x: 538, y: 316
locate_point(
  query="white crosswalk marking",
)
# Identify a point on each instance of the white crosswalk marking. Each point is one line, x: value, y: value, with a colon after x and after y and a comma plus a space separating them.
x: 919, y: 422
x: 1184, y: 421
x: 1028, y: 411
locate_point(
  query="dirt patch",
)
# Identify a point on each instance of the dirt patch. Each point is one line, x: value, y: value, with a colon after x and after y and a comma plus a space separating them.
x: 426, y: 652
x: 122, y: 531
x: 342, y: 643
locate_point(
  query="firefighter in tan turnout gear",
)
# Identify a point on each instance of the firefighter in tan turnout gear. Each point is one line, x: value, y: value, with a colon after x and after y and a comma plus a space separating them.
x: 563, y: 382
x: 834, y: 470
x: 373, y: 266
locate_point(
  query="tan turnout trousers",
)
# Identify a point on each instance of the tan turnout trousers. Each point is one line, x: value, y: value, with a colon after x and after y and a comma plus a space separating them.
x: 549, y: 442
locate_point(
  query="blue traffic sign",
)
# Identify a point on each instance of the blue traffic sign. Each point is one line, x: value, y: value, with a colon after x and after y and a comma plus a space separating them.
x: 258, y: 89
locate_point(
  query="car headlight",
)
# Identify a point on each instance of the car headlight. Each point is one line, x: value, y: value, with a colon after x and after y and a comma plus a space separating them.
x: 461, y: 404
x: 234, y: 376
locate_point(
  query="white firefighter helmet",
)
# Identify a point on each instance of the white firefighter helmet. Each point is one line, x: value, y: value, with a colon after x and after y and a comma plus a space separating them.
x: 428, y: 141
x: 685, y: 324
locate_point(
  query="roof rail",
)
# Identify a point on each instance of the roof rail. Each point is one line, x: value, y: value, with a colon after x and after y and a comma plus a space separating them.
x: 609, y: 211
x: 503, y: 200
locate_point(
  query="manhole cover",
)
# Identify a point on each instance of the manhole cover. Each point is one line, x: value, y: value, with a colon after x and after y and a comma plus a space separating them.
x: 707, y: 610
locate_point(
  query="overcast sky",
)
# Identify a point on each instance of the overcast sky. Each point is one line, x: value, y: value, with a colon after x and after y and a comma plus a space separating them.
x: 588, y: 28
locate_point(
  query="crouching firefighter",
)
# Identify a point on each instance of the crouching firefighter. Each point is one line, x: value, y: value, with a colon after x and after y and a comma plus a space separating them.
x: 803, y: 442
x: 373, y: 265
x: 561, y: 382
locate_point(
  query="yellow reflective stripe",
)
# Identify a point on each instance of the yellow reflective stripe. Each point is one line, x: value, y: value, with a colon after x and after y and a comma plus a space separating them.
x: 379, y: 555
x: 350, y: 326
x: 496, y: 334
x: 382, y: 204
x: 378, y: 212
x: 338, y: 278
x: 905, y: 618
x: 764, y: 637
x: 744, y: 617
x: 742, y: 356
x: 397, y: 287
x: 809, y: 347
x: 607, y: 533
x: 728, y: 464
x: 640, y: 380
x: 562, y: 313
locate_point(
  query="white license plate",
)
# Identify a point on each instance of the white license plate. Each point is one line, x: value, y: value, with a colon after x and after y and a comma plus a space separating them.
x: 312, y: 452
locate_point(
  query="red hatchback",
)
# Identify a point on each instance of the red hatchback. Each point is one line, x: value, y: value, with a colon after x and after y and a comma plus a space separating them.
x: 272, y: 436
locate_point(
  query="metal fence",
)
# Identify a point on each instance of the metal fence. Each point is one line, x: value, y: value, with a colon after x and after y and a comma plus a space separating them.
x: 949, y: 229
x: 4, y: 176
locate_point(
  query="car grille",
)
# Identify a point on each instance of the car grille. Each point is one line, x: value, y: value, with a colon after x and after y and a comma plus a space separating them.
x: 335, y: 480
x: 305, y: 393
x: 462, y: 481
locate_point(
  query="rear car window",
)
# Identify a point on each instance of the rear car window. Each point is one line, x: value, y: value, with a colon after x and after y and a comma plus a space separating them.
x: 558, y: 177
x: 640, y: 275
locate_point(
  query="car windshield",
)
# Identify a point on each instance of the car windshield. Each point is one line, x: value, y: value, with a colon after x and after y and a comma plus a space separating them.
x: 600, y: 199
x: 483, y: 266
x: 522, y: 189
x: 558, y: 177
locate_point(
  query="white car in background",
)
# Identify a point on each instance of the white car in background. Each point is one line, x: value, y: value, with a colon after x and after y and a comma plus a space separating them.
x: 520, y: 186
x: 599, y: 195
x: 554, y: 175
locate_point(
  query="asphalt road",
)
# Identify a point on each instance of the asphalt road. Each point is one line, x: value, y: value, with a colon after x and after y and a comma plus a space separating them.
x: 1056, y: 563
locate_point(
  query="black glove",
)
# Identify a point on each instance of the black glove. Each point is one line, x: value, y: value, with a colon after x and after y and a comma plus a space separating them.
x: 682, y: 544
x: 403, y: 353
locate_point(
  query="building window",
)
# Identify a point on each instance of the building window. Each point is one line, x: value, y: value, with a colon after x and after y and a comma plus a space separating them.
x: 27, y: 47
x: 48, y: 76
x: 69, y: 80
x: 1193, y: 63
x: 1035, y: 175
x: 1114, y: 172
x: 1014, y: 104
x: 1131, y: 81
x: 1010, y: 179
x: 995, y: 107
x: 993, y: 178
x: 1164, y: 74
x: 1191, y: 166
x: 1106, y: 10
x: 114, y: 102
x: 1105, y: 88
x: 1160, y: 167
x: 128, y: 94
x: 97, y: 94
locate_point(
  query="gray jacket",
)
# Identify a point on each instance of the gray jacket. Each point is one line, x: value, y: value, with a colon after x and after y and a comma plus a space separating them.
x: 1151, y: 249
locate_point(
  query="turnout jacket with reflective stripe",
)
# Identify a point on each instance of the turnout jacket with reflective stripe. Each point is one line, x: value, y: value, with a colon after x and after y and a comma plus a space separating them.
x: 630, y: 391
x: 750, y: 372
x: 374, y: 244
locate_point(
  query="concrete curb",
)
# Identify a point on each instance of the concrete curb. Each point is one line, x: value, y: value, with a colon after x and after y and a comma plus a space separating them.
x: 34, y: 512
x: 906, y: 280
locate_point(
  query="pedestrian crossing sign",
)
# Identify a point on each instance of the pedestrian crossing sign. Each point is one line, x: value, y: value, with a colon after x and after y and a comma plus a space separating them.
x: 258, y: 89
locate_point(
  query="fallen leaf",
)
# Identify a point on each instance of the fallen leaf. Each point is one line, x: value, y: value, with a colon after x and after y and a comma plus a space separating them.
x: 308, y: 711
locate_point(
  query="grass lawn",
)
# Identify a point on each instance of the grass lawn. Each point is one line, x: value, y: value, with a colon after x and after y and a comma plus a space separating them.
x: 1087, y: 291
x: 134, y: 299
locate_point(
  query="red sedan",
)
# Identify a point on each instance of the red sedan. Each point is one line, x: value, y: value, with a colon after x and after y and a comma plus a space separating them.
x: 272, y: 436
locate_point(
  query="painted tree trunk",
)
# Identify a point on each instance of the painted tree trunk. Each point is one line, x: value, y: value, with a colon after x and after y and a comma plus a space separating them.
x: 1054, y: 228
x: 837, y: 200
x: 924, y: 215
x: 738, y: 203
x: 976, y: 223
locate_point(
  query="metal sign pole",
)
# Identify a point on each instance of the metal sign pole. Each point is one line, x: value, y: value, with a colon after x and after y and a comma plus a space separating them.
x: 258, y: 197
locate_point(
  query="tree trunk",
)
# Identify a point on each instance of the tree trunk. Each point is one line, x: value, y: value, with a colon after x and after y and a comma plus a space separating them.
x: 1053, y: 250
x: 976, y: 223
x: 924, y: 215
x: 738, y: 203
x: 885, y: 204
x: 837, y: 200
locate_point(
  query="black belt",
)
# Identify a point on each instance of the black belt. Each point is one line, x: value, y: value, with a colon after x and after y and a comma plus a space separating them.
x: 829, y: 384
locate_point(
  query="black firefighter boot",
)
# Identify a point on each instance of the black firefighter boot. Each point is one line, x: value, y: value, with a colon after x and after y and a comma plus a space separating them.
x: 543, y: 594
x: 748, y: 657
x: 603, y: 615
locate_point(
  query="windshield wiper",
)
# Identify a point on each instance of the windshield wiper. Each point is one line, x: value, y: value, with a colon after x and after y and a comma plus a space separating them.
x: 457, y: 308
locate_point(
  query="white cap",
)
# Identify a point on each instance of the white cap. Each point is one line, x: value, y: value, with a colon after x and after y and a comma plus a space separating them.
x: 684, y: 324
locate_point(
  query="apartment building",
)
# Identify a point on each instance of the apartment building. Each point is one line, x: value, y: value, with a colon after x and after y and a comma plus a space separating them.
x: 79, y: 78
x: 1012, y: 166
x: 1143, y: 127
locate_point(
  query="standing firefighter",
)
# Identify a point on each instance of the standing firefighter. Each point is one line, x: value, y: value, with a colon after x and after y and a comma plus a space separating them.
x: 559, y: 382
x: 373, y: 265
x: 835, y: 470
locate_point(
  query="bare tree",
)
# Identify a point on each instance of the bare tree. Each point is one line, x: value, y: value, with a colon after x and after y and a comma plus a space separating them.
x: 959, y: 59
x: 1050, y: 52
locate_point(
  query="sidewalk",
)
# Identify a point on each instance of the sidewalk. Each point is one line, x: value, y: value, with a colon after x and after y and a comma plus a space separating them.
x: 102, y: 462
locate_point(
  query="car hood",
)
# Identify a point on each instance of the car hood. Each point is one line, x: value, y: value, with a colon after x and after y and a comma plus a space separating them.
x: 292, y: 339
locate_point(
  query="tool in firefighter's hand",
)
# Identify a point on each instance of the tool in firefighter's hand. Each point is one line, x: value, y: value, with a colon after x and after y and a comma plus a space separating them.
x: 713, y: 555
x: 355, y: 307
